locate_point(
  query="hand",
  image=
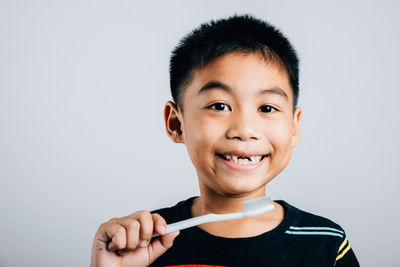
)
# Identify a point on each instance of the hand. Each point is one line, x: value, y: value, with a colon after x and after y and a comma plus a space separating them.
x: 125, y: 241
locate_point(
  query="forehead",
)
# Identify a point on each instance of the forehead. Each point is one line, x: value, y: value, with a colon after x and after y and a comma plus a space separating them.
x: 241, y: 73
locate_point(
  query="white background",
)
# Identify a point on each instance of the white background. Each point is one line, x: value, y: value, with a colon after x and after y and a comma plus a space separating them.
x: 82, y: 139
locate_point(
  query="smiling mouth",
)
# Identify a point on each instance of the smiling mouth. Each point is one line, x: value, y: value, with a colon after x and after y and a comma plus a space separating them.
x: 242, y: 160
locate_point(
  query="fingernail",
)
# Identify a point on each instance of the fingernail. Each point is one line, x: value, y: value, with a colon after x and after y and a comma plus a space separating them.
x: 163, y: 228
x: 143, y: 243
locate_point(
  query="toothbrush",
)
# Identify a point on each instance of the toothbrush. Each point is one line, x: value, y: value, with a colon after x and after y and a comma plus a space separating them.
x: 250, y: 208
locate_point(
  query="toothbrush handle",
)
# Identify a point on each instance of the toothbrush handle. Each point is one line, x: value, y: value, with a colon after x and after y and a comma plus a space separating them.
x: 200, y: 220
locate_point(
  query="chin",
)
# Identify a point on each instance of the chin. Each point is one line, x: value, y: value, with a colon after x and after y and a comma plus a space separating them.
x: 240, y: 187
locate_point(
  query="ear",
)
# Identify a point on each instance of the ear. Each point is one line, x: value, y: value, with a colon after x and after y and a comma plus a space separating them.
x: 296, y: 127
x: 173, y: 123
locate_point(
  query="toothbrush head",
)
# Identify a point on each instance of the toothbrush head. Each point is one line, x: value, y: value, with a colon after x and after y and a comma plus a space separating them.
x: 257, y: 206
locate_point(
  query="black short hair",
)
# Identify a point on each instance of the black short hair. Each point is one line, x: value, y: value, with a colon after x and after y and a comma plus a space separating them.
x: 238, y: 33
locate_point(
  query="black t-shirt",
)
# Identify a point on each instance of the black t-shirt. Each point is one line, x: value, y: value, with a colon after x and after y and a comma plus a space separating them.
x: 301, y: 239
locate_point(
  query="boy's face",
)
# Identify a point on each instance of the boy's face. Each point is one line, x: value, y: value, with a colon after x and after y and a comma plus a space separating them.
x: 236, y: 106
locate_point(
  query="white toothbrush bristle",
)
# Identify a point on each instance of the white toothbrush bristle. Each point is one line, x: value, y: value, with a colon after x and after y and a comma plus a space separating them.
x: 257, y: 206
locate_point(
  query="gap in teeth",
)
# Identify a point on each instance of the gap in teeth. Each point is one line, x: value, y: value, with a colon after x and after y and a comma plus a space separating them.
x: 243, y: 160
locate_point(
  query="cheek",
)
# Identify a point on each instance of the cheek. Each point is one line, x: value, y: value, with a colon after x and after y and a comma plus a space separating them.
x: 281, y: 141
x: 200, y: 140
x: 281, y: 137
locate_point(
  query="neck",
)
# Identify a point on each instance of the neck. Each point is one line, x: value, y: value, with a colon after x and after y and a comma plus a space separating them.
x: 210, y: 202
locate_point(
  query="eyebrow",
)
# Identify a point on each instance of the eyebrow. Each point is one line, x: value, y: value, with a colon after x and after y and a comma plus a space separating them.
x: 211, y: 85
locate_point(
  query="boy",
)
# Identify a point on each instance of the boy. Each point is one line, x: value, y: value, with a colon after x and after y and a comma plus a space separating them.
x: 234, y: 83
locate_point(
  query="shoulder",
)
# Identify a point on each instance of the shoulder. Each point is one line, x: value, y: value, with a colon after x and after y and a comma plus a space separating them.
x: 311, y: 229
x: 177, y: 212
x: 306, y: 221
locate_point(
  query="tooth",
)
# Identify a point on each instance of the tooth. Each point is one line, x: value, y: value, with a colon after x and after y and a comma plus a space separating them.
x: 228, y: 157
x: 253, y: 159
x: 235, y: 159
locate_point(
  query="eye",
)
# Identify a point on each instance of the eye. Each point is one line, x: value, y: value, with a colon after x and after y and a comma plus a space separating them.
x: 267, y: 109
x: 219, y: 106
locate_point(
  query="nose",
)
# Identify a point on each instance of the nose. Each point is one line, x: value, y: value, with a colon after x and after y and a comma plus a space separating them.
x: 243, y: 127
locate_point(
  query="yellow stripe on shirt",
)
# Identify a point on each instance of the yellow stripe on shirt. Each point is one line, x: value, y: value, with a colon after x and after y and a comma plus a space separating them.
x: 342, y: 245
x: 345, y: 242
x: 342, y: 254
x: 340, y: 248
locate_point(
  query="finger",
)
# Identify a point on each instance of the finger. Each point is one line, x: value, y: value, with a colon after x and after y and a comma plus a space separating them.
x: 161, y: 245
x: 100, y: 242
x: 116, y: 233
x: 160, y: 225
x: 146, y: 227
x: 101, y: 234
x: 132, y: 228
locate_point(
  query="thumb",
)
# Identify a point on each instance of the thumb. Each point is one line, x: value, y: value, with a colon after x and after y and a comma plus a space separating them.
x: 161, y: 245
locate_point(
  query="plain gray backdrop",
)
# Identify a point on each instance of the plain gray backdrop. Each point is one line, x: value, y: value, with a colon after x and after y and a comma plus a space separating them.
x: 82, y: 90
